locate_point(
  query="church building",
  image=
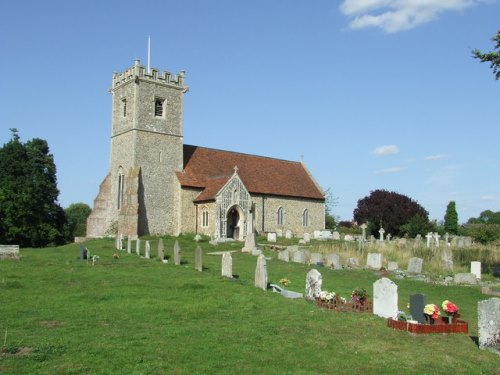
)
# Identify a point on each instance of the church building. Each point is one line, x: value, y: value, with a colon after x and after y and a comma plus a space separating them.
x: 158, y: 185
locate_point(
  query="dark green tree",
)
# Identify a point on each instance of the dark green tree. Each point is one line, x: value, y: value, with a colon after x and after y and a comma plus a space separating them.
x: 486, y: 217
x: 76, y: 215
x: 29, y: 212
x: 417, y: 225
x: 451, y: 218
x: 388, y: 210
x: 492, y: 57
x: 330, y: 202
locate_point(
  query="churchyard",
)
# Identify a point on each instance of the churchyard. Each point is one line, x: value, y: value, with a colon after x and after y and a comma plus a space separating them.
x: 125, y: 311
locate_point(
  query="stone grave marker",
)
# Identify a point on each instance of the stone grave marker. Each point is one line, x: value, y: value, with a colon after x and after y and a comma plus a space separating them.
x: 429, y: 238
x: 250, y: 242
x: 333, y: 261
x: 279, y: 233
x: 197, y: 237
x: 261, y: 272
x: 306, y: 237
x: 363, y: 231
x: 488, y: 312
x: 299, y: 257
x: 335, y: 235
x: 138, y: 246
x: 198, y: 259
x: 147, y: 250
x: 417, y: 304
x: 129, y: 244
x: 314, y: 282
x: 84, y: 254
x: 284, y: 255
x: 385, y: 298
x: 161, y: 253
x: 415, y: 265
x: 316, y: 258
x: 381, y: 232
x: 288, y: 234
x: 436, y: 238
x: 475, y: 268
x: 177, y: 253
x: 353, y: 262
x: 348, y: 238
x: 447, y: 258
x: 374, y: 261
x: 465, y: 278
x: 271, y: 237
x: 392, y: 266
x: 227, y: 265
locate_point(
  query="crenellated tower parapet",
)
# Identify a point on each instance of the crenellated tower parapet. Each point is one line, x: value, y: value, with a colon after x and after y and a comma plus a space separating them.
x: 140, y: 72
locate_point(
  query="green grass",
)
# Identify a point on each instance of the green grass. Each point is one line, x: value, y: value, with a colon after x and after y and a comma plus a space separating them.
x: 130, y: 315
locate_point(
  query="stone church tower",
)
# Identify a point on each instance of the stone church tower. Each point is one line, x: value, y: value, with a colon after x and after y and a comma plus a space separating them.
x: 141, y: 194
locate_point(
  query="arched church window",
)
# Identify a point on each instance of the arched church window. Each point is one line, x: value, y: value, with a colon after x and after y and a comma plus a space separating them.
x: 121, y: 187
x: 305, y: 218
x: 204, y: 222
x: 159, y: 107
x: 280, y: 216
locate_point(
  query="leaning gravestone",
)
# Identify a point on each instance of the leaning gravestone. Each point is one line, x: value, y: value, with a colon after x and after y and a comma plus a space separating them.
x: 177, y: 253
x: 198, y: 259
x: 261, y: 273
x: 415, y: 265
x: 385, y: 298
x: 374, y: 261
x: 227, y: 265
x: 284, y: 255
x: 417, y: 304
x: 488, y: 312
x: 475, y: 268
x: 147, y: 251
x: 316, y: 258
x: 299, y: 257
x: 333, y: 261
x: 138, y: 246
x: 161, y: 253
x: 314, y: 283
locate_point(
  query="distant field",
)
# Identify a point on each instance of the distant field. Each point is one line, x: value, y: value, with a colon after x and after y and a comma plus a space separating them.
x: 132, y: 315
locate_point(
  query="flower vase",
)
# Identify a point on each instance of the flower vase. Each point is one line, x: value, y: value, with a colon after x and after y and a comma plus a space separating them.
x: 429, y: 319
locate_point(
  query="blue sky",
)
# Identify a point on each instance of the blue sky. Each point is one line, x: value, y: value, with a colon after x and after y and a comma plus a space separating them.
x: 375, y: 94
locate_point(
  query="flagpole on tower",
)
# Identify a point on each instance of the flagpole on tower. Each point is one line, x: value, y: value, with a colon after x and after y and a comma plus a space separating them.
x: 149, y: 54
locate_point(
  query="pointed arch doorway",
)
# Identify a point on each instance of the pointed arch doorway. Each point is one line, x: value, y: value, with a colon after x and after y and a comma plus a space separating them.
x: 235, y: 222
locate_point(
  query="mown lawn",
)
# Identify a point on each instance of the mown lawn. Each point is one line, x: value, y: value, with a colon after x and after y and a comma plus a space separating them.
x: 131, y: 315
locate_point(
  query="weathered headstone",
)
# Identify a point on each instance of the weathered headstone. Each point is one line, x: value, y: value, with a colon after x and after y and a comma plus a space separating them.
x: 198, y: 259
x: 389, y: 236
x: 129, y: 244
x: 363, y: 231
x: 381, y: 232
x: 374, y: 261
x: 83, y: 253
x: 348, y: 238
x: 417, y: 304
x: 353, y: 262
x: 429, y: 238
x: 436, y: 238
x: 161, y: 253
x: 488, y: 312
x: 279, y: 233
x: 288, y: 234
x: 138, y: 246
x: 465, y: 278
x: 415, y: 265
x: 197, y: 237
x: 475, y: 268
x: 392, y: 266
x: 314, y: 283
x: 177, y: 253
x: 447, y: 258
x: 147, y: 250
x: 271, y: 237
x: 299, y: 257
x: 333, y: 261
x: 227, y: 265
x: 284, y: 255
x: 316, y: 258
x: 335, y: 235
x: 385, y: 298
x: 306, y: 237
x: 261, y: 272
x: 250, y: 242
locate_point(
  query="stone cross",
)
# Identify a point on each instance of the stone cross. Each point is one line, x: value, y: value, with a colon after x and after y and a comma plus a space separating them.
x: 261, y: 273
x: 389, y: 236
x: 381, y: 232
x: 429, y: 237
x: 436, y: 238
x: 198, y: 259
x: 385, y: 298
x: 177, y: 253
x: 363, y: 231
x: 227, y: 265
x: 314, y: 282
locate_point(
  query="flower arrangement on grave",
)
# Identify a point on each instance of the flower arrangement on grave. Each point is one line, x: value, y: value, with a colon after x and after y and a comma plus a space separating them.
x: 450, y: 309
x: 326, y: 296
x: 284, y: 281
x: 431, y: 312
x: 359, y: 295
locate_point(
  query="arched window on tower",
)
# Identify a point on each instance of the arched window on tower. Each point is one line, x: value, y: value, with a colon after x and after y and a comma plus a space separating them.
x: 280, y: 216
x: 121, y: 187
x: 305, y: 218
x: 159, y: 107
x: 204, y: 222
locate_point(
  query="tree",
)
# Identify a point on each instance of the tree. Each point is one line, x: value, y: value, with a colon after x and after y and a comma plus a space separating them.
x: 330, y: 202
x: 451, y: 218
x: 417, y: 225
x: 486, y: 217
x: 388, y: 210
x: 492, y: 57
x: 76, y: 215
x: 29, y: 212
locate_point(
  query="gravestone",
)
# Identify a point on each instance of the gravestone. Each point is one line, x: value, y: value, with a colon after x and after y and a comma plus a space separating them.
x: 227, y: 265
x: 306, y: 237
x: 389, y: 236
x: 381, y: 232
x: 465, y: 278
x: 316, y: 258
x: 129, y: 244
x: 436, y: 238
x: 385, y: 298
x: 250, y: 242
x: 147, y: 250
x: 417, y: 304
x: 335, y: 235
x: 314, y: 283
x: 447, y: 259
x: 279, y: 233
x: 488, y: 312
x: 261, y: 273
x: 475, y: 268
x: 299, y: 257
x: 284, y: 255
x: 363, y: 231
x: 83, y: 253
x: 418, y: 237
x: 461, y: 242
x: 374, y: 261
x: 288, y: 234
x: 415, y: 265
x: 333, y: 261
x: 429, y: 238
x: 271, y: 237
x: 177, y: 253
x: 348, y: 238
x: 161, y: 253
x: 198, y: 259
x: 197, y: 237
x: 402, y: 242
x: 392, y: 266
x: 138, y: 246
x: 353, y: 262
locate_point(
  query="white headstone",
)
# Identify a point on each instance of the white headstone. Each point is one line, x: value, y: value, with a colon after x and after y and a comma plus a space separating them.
x: 488, y: 312
x: 363, y: 231
x: 374, y: 261
x: 415, y: 265
x: 129, y: 244
x: 138, y: 246
x: 227, y: 265
x: 316, y: 258
x: 288, y: 234
x: 314, y: 283
x: 198, y: 259
x: 333, y: 261
x: 261, y: 273
x: 336, y: 235
x: 284, y: 255
x: 271, y: 237
x: 177, y: 253
x: 385, y: 298
x: 279, y: 233
x: 299, y: 257
x: 381, y: 232
x: 306, y: 237
x: 475, y: 268
x: 348, y: 238
x: 147, y: 250
x: 429, y: 237
x: 392, y: 266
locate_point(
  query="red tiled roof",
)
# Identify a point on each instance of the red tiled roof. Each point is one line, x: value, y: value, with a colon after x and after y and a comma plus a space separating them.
x: 210, y: 169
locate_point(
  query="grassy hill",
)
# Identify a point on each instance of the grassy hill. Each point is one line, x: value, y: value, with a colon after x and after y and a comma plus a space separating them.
x: 132, y: 315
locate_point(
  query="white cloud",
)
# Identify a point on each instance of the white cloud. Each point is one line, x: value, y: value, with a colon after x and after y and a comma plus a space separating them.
x: 386, y: 150
x: 389, y: 170
x: 490, y: 198
x: 435, y: 157
x: 397, y: 15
